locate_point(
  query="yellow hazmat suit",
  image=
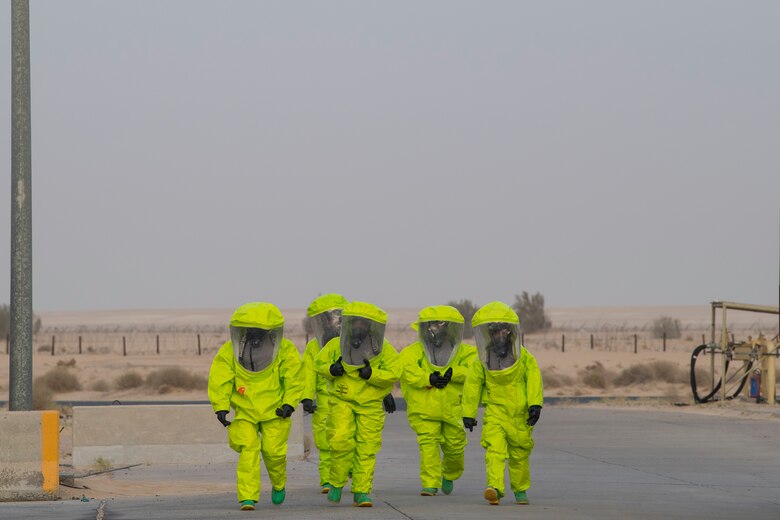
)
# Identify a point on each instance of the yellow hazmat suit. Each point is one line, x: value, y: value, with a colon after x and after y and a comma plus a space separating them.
x: 507, y: 394
x: 258, y: 384
x: 434, y: 412
x: 356, y: 415
x: 317, y: 386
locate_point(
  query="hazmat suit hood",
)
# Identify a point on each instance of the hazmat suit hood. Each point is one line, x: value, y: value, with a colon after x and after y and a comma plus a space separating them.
x: 362, y: 333
x: 325, y: 313
x: 497, y: 333
x: 256, y: 331
x: 440, y: 331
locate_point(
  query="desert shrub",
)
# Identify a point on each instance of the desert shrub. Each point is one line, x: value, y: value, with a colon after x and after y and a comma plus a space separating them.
x: 596, y: 376
x: 43, y: 396
x: 175, y: 378
x: 44, y: 348
x: 59, y: 379
x: 552, y: 379
x: 635, y: 375
x: 99, y: 386
x: 530, y: 310
x: 128, y: 380
x: 668, y: 372
x: 67, y: 364
x: 467, y: 309
x: 668, y: 325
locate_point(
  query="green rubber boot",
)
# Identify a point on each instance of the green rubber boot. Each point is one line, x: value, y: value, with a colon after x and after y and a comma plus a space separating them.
x: 428, y: 492
x: 447, y: 485
x: 334, y: 495
x: 277, y: 496
x: 325, y: 488
x: 521, y: 497
x: 247, y: 505
x: 362, y: 500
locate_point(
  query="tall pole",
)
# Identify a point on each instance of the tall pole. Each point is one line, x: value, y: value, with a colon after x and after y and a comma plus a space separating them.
x: 20, y: 387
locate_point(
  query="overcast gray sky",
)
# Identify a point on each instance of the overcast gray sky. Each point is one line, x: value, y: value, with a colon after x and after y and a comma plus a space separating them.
x: 203, y: 154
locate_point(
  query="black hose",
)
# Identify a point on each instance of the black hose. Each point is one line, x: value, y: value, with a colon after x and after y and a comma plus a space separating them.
x: 694, y: 387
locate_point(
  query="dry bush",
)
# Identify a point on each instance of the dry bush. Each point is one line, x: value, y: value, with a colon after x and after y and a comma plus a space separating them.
x: 99, y: 386
x: 668, y: 372
x: 552, y: 379
x: 43, y: 396
x: 67, y: 364
x: 128, y: 380
x: 175, y: 378
x: 59, y: 379
x: 596, y: 376
x: 664, y: 371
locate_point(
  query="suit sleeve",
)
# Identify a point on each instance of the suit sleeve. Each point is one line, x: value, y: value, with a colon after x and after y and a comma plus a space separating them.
x: 472, y: 389
x: 412, y: 373
x: 290, y: 374
x: 310, y: 376
x: 534, y: 391
x: 326, y: 357
x: 221, y: 378
x: 388, y: 370
x: 461, y: 370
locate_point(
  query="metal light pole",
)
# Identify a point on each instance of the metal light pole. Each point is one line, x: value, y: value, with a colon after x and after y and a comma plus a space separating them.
x: 20, y: 388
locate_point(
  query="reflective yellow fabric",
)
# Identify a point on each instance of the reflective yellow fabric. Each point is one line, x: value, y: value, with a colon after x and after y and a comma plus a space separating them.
x: 506, y: 394
x: 257, y: 314
x: 250, y: 440
x: 255, y: 396
x: 435, y: 414
x: 494, y: 312
x: 356, y: 417
x: 326, y: 302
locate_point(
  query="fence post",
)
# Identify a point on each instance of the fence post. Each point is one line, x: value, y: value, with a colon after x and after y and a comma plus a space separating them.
x: 158, y: 343
x: 634, y: 343
x: 732, y: 338
x: 591, y: 341
x: 124, y: 346
x: 199, y: 344
x: 703, y: 340
x: 563, y: 342
x: 52, y: 345
x: 664, y: 341
x: 307, y: 338
x: 79, y: 344
x: 8, y: 343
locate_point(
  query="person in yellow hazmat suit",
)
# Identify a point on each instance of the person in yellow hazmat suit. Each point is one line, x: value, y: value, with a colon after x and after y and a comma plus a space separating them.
x: 434, y: 370
x: 258, y: 373
x: 363, y: 367
x: 325, y: 315
x: 509, y: 382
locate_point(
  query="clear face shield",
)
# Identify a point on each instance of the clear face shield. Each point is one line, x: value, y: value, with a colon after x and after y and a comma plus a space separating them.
x: 440, y: 340
x: 361, y: 340
x: 327, y: 325
x: 254, y: 348
x: 498, y: 344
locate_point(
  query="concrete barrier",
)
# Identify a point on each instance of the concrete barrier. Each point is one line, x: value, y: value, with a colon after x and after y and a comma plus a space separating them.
x: 29, y: 455
x: 142, y: 434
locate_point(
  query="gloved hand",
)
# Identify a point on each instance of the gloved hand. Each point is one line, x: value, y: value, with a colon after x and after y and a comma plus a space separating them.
x: 308, y: 406
x: 221, y: 417
x: 437, y: 380
x: 469, y: 423
x: 285, y: 411
x: 388, y: 403
x: 337, y: 369
x: 365, y: 372
x: 533, y: 414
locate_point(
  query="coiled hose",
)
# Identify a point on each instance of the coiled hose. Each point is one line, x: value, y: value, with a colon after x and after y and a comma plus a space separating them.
x: 709, y: 397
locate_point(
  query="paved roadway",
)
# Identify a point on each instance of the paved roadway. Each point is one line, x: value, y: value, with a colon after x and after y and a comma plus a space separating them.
x: 589, y: 462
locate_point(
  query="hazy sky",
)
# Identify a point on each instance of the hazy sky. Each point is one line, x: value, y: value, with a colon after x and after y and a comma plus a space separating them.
x: 203, y: 154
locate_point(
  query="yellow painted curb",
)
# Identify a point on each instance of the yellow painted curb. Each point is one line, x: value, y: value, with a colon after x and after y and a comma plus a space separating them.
x: 50, y: 450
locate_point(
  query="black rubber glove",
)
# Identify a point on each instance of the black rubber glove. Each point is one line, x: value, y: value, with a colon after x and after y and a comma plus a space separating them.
x: 221, y: 417
x: 337, y: 369
x: 285, y: 411
x: 436, y: 380
x: 388, y: 403
x: 533, y: 414
x: 308, y: 406
x: 365, y: 372
x: 448, y: 375
x: 469, y: 423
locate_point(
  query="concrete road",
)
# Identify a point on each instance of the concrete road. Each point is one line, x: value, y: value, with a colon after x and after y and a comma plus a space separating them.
x: 589, y: 462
